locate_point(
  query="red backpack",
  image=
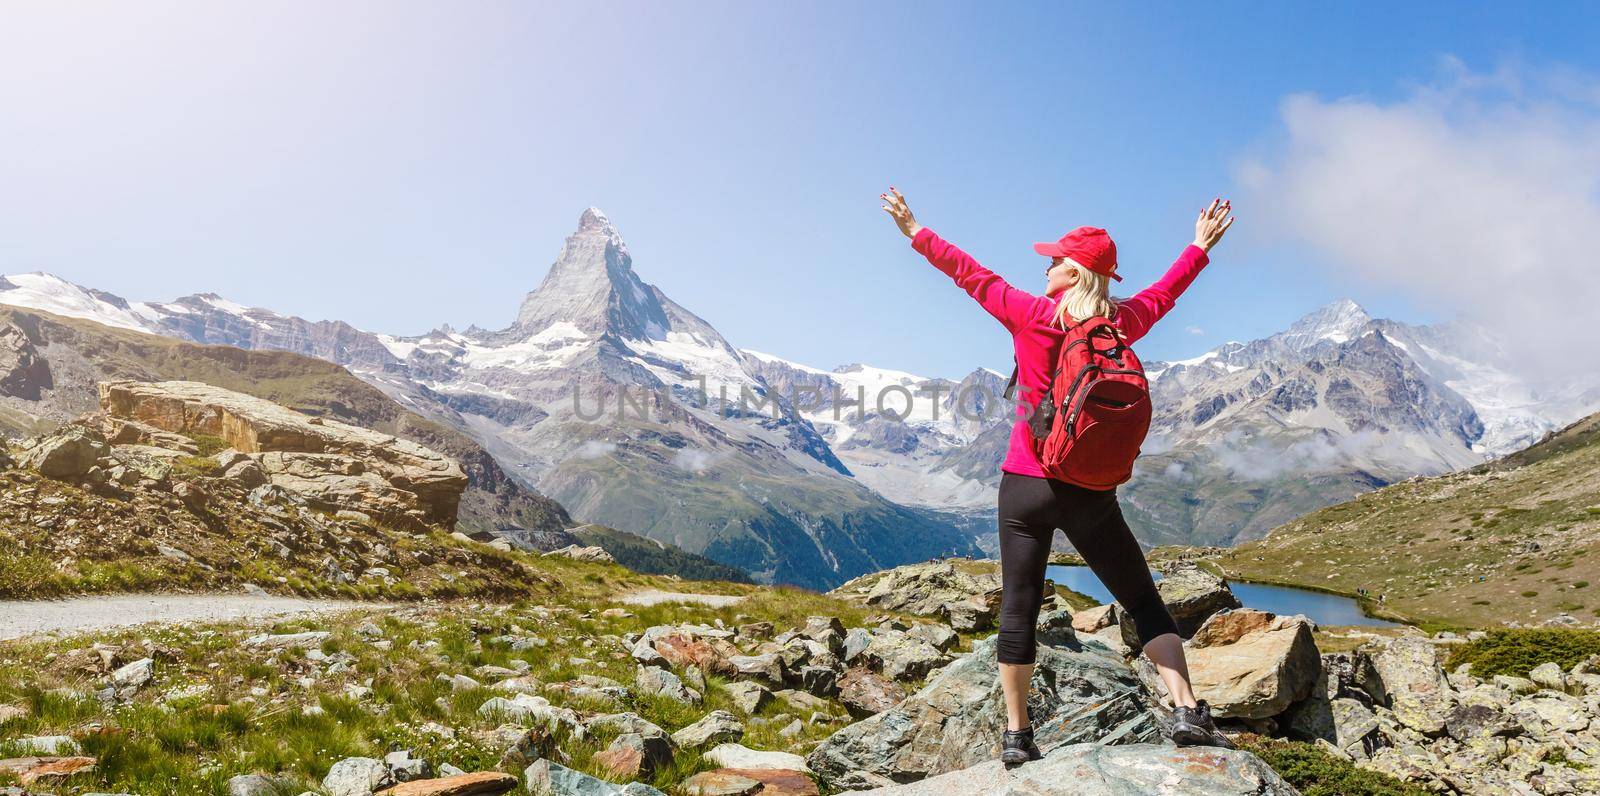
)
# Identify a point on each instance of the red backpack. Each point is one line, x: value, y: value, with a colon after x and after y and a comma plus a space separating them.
x: 1093, y: 416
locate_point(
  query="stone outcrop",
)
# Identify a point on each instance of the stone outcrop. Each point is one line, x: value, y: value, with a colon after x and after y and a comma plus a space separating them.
x: 23, y: 372
x: 1093, y: 770
x: 1084, y: 692
x: 947, y: 589
x: 582, y: 553
x: 332, y: 464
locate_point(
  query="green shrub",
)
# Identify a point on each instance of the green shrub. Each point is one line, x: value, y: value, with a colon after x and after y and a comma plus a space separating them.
x: 209, y: 444
x: 195, y: 466
x: 1516, y: 652
x: 1317, y: 773
x: 1530, y: 594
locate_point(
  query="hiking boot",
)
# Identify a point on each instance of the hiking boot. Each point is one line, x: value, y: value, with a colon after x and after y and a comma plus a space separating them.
x: 1194, y: 727
x: 1016, y: 746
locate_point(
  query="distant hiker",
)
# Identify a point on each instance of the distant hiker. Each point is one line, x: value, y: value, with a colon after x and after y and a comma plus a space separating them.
x: 1088, y: 432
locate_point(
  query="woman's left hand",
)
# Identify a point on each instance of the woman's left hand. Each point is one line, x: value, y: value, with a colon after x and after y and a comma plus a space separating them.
x: 1212, y: 223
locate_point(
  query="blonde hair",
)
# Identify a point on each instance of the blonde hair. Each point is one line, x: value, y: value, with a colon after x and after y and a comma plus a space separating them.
x: 1091, y: 296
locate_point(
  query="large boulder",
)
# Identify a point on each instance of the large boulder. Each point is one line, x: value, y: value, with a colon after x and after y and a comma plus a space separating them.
x: 1253, y: 664
x: 67, y: 453
x: 1093, y: 770
x: 1192, y: 595
x: 332, y: 464
x: 1081, y: 691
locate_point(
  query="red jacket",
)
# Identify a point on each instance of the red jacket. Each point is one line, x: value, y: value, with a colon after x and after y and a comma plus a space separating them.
x: 1030, y: 320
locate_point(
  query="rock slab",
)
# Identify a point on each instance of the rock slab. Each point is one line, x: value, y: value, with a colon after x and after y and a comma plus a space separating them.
x: 1092, y: 770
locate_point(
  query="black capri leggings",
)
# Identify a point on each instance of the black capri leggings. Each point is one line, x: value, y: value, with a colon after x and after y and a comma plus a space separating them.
x: 1031, y: 509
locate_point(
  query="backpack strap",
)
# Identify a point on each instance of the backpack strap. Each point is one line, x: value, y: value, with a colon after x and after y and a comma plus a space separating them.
x: 1011, y: 383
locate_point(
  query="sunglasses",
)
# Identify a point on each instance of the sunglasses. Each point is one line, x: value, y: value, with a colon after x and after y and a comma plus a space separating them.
x: 1052, y: 267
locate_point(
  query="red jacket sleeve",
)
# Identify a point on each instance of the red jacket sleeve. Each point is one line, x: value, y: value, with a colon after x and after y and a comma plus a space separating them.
x: 1136, y: 315
x: 1007, y: 304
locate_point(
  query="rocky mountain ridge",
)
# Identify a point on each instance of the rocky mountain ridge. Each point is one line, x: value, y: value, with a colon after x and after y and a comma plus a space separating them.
x: 752, y: 486
x: 1247, y: 435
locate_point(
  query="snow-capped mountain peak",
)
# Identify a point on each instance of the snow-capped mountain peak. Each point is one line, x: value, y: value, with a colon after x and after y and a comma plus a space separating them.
x: 1338, y: 321
x: 592, y: 285
x: 50, y: 293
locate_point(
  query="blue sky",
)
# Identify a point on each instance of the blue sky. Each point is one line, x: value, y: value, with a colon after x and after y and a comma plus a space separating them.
x: 400, y: 166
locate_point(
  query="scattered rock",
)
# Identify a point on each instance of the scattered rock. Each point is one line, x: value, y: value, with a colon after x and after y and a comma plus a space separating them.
x: 480, y: 784
x: 716, y: 727
x: 653, y: 680
x: 545, y: 778
x: 739, y: 781
x: 732, y: 755
x: 633, y: 755
x: 252, y: 785
x: 865, y: 692
x: 308, y: 640
x: 356, y: 776
x: 767, y: 668
x: 749, y: 697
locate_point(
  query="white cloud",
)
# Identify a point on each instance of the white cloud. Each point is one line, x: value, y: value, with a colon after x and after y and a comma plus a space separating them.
x: 1479, y: 193
x: 594, y: 449
x: 1257, y: 459
x: 693, y: 459
x: 1194, y: 330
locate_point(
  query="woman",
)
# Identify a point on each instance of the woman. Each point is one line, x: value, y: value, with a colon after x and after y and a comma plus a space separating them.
x: 1082, y: 264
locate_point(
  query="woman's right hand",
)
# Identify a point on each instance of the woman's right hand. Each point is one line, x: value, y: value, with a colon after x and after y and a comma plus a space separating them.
x: 895, y: 206
x: 1212, y: 223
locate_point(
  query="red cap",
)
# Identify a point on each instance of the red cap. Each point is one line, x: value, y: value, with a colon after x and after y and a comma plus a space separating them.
x: 1089, y: 247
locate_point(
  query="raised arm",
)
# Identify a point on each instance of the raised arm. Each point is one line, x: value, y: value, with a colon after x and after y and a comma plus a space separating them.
x: 1136, y: 315
x: 1008, y: 305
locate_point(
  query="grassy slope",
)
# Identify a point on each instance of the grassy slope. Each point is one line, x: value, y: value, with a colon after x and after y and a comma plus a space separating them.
x: 306, y: 384
x: 649, y: 556
x: 1510, y: 540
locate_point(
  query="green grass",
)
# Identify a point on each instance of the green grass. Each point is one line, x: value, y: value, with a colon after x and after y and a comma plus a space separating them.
x: 157, y: 746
